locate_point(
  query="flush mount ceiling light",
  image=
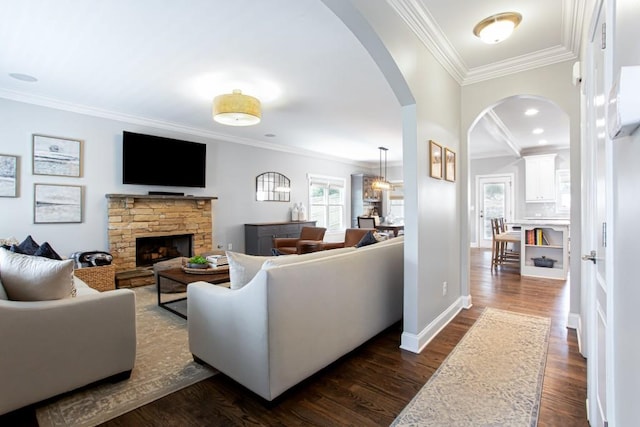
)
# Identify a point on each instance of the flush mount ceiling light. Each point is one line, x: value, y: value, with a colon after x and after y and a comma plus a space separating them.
x: 497, y: 28
x: 236, y: 109
x: 381, y: 183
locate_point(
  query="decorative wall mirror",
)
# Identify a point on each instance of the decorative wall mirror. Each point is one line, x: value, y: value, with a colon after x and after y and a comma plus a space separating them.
x: 273, y: 186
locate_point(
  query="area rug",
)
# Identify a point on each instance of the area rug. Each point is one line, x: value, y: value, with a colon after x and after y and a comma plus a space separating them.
x: 493, y: 377
x: 163, y: 365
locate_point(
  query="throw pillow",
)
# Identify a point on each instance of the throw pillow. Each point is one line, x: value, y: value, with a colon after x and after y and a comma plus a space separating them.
x: 367, y: 239
x: 45, y: 250
x: 242, y: 268
x: 31, y: 278
x: 27, y: 247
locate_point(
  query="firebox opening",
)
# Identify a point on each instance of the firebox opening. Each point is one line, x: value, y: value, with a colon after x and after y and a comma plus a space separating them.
x: 150, y: 250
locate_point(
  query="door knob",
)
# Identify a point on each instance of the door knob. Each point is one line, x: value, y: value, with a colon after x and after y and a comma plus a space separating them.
x: 590, y: 257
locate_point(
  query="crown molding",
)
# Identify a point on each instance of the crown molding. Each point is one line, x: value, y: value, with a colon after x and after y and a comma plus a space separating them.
x: 421, y: 22
x: 517, y: 64
x: 424, y: 26
x: 169, y: 126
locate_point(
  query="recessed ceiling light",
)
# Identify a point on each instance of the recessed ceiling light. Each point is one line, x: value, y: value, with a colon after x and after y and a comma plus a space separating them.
x: 23, y: 77
x: 531, y: 112
x: 542, y: 142
x: 538, y: 131
x: 270, y: 135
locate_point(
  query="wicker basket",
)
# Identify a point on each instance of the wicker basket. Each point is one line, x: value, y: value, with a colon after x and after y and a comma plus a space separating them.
x: 102, y: 278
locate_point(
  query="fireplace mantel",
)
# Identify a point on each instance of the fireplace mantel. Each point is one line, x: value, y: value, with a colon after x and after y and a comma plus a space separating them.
x: 158, y: 196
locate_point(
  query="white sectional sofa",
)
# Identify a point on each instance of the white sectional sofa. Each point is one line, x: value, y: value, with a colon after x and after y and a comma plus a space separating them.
x: 51, y: 347
x: 297, y: 315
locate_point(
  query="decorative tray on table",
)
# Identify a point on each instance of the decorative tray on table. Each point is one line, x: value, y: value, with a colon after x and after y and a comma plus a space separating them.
x: 208, y: 270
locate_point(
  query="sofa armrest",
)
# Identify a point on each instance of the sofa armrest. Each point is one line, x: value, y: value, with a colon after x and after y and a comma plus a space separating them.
x: 64, y: 344
x: 228, y: 329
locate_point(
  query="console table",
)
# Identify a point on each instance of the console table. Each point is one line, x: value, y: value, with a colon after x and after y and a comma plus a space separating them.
x: 258, y: 238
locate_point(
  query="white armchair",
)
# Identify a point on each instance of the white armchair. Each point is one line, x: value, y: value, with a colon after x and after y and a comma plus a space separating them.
x: 51, y: 347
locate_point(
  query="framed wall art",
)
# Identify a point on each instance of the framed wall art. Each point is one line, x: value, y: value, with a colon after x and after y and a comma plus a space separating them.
x: 435, y: 159
x: 449, y: 165
x: 57, y: 203
x: 8, y: 175
x: 57, y: 156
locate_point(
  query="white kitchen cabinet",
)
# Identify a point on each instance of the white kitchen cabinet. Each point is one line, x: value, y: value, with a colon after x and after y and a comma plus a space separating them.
x: 540, y: 174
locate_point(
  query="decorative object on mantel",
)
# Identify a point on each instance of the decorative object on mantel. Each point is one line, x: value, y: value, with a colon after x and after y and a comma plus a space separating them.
x: 381, y: 182
x: 57, y: 156
x: 8, y: 175
x: 236, y: 109
x: 273, y: 186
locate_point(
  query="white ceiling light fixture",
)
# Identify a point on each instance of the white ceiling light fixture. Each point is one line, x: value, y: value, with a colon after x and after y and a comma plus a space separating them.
x: 537, y: 131
x: 236, y: 109
x: 381, y: 182
x: 543, y: 142
x: 531, y: 112
x: 497, y: 28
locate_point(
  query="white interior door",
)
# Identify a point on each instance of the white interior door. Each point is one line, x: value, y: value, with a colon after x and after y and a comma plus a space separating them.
x: 495, y: 200
x: 594, y: 235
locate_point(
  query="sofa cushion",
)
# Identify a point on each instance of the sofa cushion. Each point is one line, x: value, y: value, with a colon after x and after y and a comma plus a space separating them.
x: 367, y: 239
x: 242, y: 267
x: 33, y: 278
x: 45, y: 250
x: 3, y: 293
x: 28, y: 246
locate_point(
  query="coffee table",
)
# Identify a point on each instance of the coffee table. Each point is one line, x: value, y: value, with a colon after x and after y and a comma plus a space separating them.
x: 179, y: 305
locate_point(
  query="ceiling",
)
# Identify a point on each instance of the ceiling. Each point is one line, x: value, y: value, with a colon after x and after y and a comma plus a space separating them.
x: 320, y: 90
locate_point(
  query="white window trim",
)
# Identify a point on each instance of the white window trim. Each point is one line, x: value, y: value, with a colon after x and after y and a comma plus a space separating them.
x: 331, y: 181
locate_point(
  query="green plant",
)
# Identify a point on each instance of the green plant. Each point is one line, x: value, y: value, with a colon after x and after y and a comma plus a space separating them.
x: 198, y: 260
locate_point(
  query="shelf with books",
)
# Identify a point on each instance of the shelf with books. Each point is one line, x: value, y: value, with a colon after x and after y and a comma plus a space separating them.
x: 549, y: 242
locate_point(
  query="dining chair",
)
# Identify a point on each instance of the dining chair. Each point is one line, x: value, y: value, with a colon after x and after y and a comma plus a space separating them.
x: 366, y: 222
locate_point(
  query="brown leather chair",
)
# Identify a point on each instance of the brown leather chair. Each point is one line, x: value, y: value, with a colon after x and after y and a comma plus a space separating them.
x: 351, y: 238
x: 310, y: 238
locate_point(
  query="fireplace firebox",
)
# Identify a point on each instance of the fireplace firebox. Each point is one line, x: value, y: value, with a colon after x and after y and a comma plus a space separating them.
x: 152, y: 249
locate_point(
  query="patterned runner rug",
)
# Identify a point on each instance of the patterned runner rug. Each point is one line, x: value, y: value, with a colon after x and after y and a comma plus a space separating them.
x: 163, y: 366
x: 493, y: 377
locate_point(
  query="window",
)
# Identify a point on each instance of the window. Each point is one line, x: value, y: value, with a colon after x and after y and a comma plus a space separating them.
x: 563, y: 191
x: 326, y: 202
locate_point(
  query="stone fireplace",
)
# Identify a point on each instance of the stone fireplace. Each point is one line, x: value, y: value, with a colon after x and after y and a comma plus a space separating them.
x: 132, y: 217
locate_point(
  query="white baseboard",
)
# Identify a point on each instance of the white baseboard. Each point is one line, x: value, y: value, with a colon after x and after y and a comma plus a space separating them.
x: 466, y: 301
x: 574, y: 321
x: 415, y: 343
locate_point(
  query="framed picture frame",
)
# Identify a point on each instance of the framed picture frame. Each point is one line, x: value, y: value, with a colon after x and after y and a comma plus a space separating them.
x: 435, y: 160
x: 8, y: 175
x: 57, y: 156
x: 449, y: 165
x: 55, y: 204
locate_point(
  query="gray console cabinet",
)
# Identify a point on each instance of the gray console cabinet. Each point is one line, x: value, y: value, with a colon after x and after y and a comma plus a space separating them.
x: 258, y: 238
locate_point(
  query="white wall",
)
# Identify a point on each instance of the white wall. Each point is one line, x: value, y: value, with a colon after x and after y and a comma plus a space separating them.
x: 231, y: 172
x: 432, y: 207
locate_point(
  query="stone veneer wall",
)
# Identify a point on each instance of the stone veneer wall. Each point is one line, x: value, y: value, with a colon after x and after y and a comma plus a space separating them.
x: 133, y: 216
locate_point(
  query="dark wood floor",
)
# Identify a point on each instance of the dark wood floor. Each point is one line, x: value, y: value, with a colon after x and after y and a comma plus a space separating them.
x: 371, y: 385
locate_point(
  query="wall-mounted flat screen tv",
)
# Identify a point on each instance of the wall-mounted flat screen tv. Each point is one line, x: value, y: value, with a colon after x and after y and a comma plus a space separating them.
x: 154, y: 160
